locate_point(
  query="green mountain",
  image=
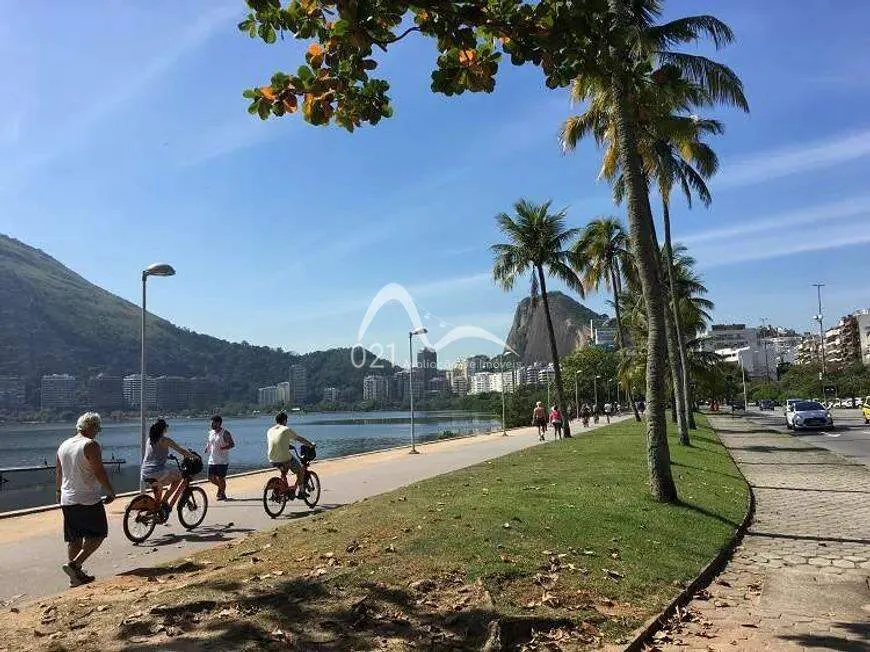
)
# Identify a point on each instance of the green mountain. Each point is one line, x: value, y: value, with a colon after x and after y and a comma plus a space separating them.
x: 528, y: 335
x: 54, y: 321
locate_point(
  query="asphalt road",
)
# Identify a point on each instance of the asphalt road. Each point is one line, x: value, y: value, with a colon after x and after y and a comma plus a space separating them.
x: 849, y: 437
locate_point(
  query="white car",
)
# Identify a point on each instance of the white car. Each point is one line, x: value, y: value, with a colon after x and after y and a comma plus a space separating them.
x: 803, y: 415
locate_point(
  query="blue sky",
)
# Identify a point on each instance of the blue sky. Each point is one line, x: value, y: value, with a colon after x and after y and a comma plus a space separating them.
x: 124, y: 140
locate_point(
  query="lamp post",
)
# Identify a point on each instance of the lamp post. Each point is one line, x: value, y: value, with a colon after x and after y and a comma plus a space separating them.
x: 743, y: 374
x: 157, y: 269
x: 595, y: 385
x: 411, y: 334
x: 820, y: 318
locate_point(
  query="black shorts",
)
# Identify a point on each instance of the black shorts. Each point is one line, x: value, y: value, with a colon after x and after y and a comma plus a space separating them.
x: 220, y: 470
x: 293, y: 465
x: 84, y: 522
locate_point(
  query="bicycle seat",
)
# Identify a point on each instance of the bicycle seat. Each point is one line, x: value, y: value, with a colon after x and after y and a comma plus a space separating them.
x: 150, y: 480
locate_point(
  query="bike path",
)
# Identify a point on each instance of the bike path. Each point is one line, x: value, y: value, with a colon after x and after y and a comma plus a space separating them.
x: 32, y: 547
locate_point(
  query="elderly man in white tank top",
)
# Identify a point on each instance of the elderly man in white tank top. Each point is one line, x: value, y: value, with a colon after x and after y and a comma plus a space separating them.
x: 79, y: 476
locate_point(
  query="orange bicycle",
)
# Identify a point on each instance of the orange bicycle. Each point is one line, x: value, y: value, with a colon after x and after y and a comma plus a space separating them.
x: 143, y: 513
x: 277, y: 492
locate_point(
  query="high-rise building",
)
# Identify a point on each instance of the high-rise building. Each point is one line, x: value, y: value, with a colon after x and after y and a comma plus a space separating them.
x: 848, y: 341
x: 807, y: 352
x: 330, y: 394
x: 375, y: 388
x: 132, y: 386
x: 728, y: 336
x: 427, y: 364
x: 480, y: 382
x: 401, y: 383
x: 58, y: 392
x: 173, y: 392
x: 459, y: 384
x: 478, y: 363
x: 11, y: 392
x: 285, y: 393
x: 299, y: 385
x: 267, y: 396
x: 105, y: 392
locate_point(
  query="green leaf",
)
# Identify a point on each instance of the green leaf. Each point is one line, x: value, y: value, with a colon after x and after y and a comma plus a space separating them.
x: 340, y: 28
x: 270, y: 36
x: 263, y: 110
x: 305, y: 73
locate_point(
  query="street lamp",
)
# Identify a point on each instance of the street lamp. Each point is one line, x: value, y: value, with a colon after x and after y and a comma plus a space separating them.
x: 595, y: 385
x: 411, y: 334
x: 157, y: 269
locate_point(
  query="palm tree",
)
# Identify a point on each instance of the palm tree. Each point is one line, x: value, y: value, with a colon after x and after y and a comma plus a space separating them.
x: 634, y: 45
x: 538, y: 243
x: 599, y: 257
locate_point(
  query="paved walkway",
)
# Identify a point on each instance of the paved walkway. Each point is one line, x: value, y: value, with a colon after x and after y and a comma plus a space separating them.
x: 799, y: 581
x: 31, y: 547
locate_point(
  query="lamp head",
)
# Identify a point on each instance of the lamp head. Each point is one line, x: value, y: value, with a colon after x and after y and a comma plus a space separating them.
x: 419, y: 331
x: 159, y: 269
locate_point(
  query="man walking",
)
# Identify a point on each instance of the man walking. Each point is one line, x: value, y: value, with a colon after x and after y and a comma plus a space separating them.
x: 79, y: 474
x: 217, y: 447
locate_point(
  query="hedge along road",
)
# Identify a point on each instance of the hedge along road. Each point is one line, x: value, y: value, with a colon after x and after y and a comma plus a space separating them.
x: 32, y: 548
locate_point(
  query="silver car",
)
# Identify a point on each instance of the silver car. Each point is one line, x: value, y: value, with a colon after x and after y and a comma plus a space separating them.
x: 804, y: 415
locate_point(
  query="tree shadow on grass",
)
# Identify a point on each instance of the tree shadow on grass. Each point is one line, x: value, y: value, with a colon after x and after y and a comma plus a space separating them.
x: 706, y: 512
x: 333, y: 616
x: 705, y: 470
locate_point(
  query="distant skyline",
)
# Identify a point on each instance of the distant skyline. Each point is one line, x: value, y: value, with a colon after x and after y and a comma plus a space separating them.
x: 126, y: 142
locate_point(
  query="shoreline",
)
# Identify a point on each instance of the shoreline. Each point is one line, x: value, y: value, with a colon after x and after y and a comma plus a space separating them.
x: 25, y: 511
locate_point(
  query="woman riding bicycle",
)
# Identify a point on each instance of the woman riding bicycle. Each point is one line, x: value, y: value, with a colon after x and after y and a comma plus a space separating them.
x: 154, y: 468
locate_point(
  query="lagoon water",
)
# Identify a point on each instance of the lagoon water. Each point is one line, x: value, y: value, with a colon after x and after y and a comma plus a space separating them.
x: 336, y: 434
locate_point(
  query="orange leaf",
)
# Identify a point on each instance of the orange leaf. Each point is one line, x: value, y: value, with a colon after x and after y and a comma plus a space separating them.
x: 268, y: 93
x: 467, y: 57
x: 314, y: 50
x: 290, y: 104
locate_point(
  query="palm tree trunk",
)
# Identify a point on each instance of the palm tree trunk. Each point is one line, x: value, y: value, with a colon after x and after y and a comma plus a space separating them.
x: 560, y: 399
x: 675, y: 310
x: 678, y: 414
x: 646, y: 257
x: 690, y: 399
x: 615, y: 284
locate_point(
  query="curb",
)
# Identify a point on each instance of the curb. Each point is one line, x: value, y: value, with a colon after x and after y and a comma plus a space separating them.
x: 704, y: 578
x: 47, y: 508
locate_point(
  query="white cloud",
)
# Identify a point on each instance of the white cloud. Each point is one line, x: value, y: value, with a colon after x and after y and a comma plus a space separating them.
x: 784, y: 162
x: 781, y: 243
x: 838, y: 210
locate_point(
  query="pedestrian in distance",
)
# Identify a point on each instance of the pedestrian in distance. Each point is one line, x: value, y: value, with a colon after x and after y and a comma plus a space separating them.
x: 556, y: 420
x: 79, y: 477
x: 539, y: 419
x: 596, y: 412
x: 608, y: 408
x: 585, y: 413
x: 217, y: 446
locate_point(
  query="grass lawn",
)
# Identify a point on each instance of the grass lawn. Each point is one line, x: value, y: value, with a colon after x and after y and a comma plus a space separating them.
x: 561, y: 543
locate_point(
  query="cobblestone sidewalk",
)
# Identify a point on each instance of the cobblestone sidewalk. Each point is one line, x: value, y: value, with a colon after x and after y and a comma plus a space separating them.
x: 799, y: 581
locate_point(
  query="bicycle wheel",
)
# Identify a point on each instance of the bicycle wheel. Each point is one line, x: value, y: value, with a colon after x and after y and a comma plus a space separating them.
x: 140, y: 517
x: 312, y: 489
x: 274, y: 497
x: 192, y: 507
